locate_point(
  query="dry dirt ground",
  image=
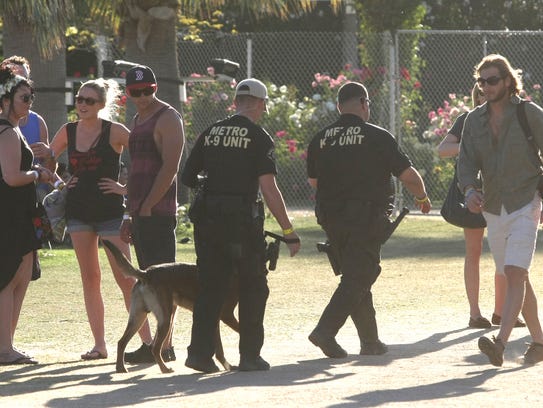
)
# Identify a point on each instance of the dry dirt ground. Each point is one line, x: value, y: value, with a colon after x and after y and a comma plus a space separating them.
x: 433, y: 359
x: 431, y: 362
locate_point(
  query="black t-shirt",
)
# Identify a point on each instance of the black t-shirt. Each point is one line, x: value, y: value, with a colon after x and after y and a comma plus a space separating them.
x: 458, y: 125
x: 354, y: 160
x: 233, y: 153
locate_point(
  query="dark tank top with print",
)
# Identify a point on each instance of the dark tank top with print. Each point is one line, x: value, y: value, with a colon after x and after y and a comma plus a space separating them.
x: 86, y: 202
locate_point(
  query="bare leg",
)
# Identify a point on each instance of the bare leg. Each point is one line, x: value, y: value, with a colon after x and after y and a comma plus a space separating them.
x: 529, y: 311
x: 85, y: 244
x: 474, y: 246
x: 11, y: 301
x: 514, y: 300
x: 500, y: 290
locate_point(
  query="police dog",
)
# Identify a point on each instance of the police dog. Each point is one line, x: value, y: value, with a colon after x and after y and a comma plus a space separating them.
x: 159, y: 290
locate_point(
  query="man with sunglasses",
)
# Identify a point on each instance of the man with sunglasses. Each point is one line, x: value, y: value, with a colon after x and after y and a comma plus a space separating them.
x: 351, y: 163
x: 155, y: 145
x: 494, y: 144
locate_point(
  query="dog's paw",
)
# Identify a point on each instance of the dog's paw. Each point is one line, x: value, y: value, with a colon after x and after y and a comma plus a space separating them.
x: 166, y: 370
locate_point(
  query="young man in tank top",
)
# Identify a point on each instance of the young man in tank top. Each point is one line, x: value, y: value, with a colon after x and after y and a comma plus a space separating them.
x: 155, y: 145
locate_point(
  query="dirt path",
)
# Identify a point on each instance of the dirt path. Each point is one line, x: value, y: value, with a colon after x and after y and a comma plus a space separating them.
x: 429, y: 364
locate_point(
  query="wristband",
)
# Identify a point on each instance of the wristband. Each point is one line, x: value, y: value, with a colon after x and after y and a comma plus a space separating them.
x: 421, y: 200
x: 36, y: 174
x: 288, y: 231
x: 126, y: 217
x: 468, y: 192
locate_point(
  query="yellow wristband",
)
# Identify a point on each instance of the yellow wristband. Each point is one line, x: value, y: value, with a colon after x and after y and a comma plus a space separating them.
x: 288, y: 231
x: 421, y: 200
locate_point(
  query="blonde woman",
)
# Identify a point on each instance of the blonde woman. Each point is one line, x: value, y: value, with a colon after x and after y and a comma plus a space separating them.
x: 94, y: 207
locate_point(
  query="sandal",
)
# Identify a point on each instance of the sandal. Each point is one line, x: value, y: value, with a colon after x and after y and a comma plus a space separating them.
x: 93, y: 355
x: 19, y: 361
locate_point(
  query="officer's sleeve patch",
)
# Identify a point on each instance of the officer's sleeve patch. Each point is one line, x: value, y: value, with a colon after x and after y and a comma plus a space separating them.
x: 271, y: 154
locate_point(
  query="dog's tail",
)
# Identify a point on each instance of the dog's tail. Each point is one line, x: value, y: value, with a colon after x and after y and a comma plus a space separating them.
x: 127, y: 268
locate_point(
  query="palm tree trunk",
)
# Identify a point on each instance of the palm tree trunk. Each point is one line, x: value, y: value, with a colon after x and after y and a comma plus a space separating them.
x: 48, y: 75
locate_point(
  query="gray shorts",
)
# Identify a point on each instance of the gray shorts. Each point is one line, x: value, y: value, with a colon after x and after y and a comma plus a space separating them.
x: 101, y: 228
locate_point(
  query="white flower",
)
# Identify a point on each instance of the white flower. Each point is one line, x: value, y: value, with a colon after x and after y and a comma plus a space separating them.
x: 12, y: 83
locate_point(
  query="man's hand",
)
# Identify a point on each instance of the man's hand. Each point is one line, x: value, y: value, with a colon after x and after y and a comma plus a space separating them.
x: 474, y: 201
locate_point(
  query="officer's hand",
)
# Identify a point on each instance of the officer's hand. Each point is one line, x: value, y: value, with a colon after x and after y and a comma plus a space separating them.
x: 293, y: 247
x: 426, y: 206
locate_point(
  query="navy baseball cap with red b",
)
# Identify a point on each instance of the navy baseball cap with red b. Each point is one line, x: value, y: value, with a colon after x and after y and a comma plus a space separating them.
x: 140, y: 76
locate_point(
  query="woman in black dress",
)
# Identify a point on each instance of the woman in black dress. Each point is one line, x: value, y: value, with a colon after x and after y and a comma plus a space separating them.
x: 17, y: 206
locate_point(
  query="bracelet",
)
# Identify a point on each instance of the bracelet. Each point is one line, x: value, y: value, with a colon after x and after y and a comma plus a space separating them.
x: 288, y: 231
x: 421, y: 200
x: 468, y: 192
x: 126, y: 217
x: 36, y: 175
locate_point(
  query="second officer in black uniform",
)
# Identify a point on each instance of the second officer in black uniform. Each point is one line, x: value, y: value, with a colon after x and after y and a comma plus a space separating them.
x: 236, y: 156
x: 350, y: 163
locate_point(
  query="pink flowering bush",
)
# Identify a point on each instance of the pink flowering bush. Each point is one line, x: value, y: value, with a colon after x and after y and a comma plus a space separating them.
x: 442, y: 119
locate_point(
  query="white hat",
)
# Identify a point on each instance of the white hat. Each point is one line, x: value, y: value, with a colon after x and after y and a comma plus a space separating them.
x: 252, y: 87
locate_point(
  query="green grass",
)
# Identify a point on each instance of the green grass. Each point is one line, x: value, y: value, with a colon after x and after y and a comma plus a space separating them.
x: 422, y: 271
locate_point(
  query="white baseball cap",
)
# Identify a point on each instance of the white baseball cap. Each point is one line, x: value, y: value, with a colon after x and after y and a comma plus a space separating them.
x: 252, y: 87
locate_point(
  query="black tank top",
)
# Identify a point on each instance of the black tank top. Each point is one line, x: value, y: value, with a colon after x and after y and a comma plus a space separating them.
x: 86, y: 202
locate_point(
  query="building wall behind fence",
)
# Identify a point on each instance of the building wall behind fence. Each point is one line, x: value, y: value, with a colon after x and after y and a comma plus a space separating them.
x: 408, y: 76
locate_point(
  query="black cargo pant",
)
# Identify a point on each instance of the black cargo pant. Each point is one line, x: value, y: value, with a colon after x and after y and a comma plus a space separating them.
x: 225, y: 246
x: 359, y: 258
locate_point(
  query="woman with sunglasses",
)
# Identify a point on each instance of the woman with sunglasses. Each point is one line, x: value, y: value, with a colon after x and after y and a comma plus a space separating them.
x: 95, y: 207
x: 18, y: 238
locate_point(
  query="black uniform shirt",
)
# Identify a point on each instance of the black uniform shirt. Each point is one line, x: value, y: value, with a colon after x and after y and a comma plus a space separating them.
x: 354, y: 160
x: 233, y: 153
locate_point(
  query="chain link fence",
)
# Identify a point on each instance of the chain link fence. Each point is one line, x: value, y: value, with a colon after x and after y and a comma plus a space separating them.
x: 418, y: 81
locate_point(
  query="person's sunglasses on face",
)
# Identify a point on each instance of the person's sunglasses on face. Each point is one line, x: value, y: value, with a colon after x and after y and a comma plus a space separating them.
x: 136, y: 93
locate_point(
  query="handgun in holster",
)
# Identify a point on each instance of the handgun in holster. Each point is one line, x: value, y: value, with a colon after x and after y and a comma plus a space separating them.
x: 327, y: 248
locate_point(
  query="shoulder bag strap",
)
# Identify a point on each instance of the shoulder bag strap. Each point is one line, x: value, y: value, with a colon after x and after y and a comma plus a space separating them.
x: 523, y: 120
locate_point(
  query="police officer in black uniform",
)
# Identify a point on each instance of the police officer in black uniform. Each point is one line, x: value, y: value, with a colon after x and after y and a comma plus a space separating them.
x: 236, y: 156
x: 351, y: 162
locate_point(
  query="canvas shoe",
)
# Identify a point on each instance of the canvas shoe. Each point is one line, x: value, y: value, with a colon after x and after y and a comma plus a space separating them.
x: 493, y: 349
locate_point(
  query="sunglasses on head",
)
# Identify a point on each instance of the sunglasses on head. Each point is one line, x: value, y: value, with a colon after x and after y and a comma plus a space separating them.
x: 493, y: 80
x: 143, y: 91
x: 88, y: 101
x: 363, y: 99
x: 27, y: 97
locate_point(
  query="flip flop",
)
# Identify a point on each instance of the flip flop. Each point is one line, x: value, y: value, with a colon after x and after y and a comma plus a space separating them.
x: 93, y: 355
x: 19, y: 361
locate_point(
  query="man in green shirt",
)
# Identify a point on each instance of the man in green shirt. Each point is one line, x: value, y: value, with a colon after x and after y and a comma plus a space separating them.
x: 494, y: 143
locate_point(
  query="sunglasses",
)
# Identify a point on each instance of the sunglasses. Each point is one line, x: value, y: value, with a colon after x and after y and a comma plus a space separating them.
x: 88, y: 101
x: 493, y: 80
x: 27, y: 98
x: 136, y: 93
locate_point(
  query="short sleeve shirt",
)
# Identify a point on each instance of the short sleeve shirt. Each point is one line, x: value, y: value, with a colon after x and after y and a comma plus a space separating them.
x: 354, y: 160
x: 233, y: 153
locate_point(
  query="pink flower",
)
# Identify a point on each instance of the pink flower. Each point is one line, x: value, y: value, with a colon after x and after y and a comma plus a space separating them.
x: 291, y: 145
x: 537, y: 87
x: 404, y: 72
x: 281, y: 133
